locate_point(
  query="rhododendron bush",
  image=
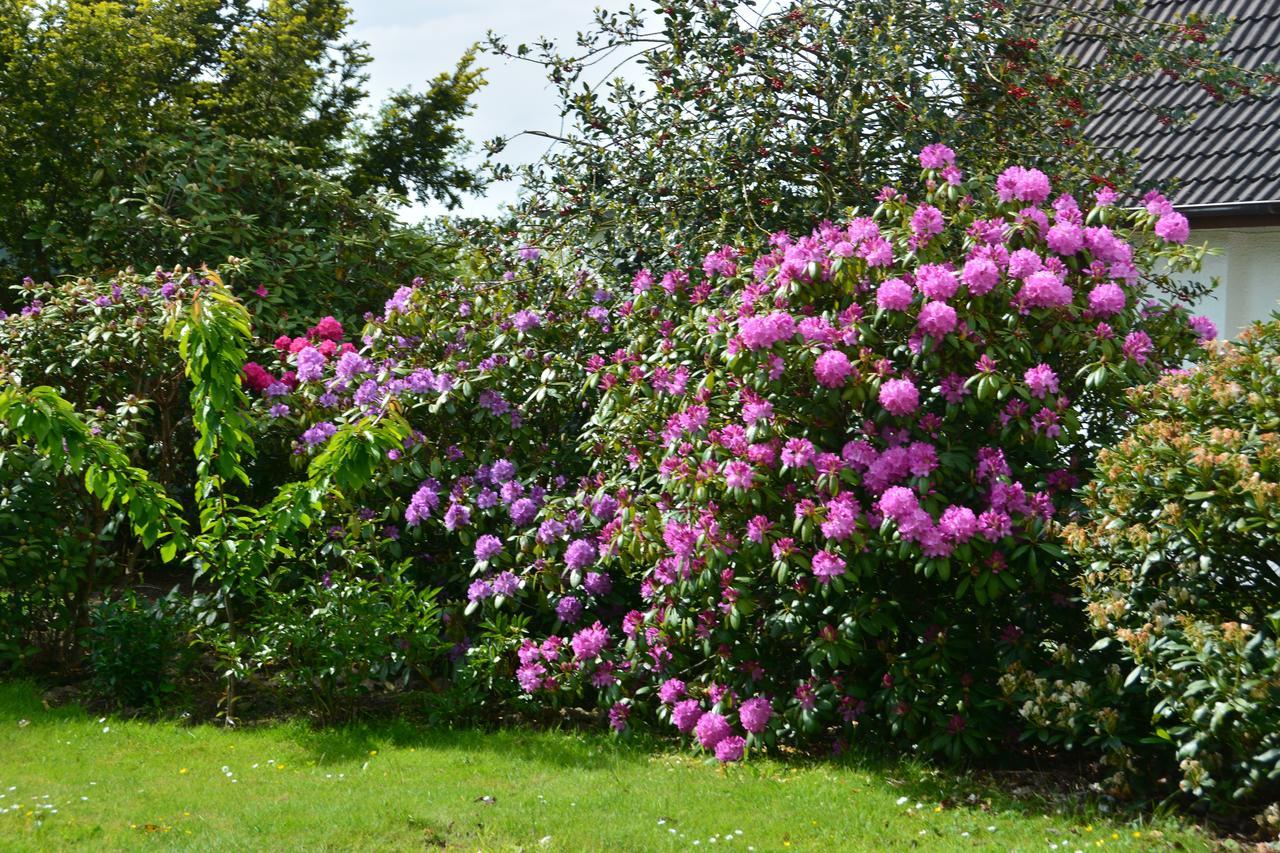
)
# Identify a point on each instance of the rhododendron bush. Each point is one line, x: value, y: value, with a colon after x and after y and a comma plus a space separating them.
x: 804, y: 494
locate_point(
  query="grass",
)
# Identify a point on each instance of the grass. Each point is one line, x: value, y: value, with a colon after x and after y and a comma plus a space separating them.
x: 69, y: 779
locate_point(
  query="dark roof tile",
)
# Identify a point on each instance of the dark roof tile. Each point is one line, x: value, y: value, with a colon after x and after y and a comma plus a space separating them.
x: 1230, y: 153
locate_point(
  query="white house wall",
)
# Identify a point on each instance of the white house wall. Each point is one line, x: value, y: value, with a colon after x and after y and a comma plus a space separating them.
x: 1249, y: 272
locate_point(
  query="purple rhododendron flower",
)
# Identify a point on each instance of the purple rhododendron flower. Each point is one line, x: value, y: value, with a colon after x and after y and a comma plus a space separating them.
x: 569, y: 609
x: 597, y: 583
x: 319, y: 433
x: 580, y: 554
x: 502, y: 471
x: 310, y: 364
x: 423, y: 502
x: 488, y: 547
x: 506, y: 583
x: 937, y: 281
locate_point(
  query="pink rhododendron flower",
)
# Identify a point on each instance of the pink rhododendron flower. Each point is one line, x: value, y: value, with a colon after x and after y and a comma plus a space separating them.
x: 712, y: 728
x: 1173, y: 226
x: 827, y: 566
x: 937, y: 319
x: 1044, y: 290
x: 1019, y: 184
x: 730, y: 749
x: 937, y: 281
x: 762, y: 332
x: 936, y: 156
x: 980, y: 275
x: 1107, y: 299
x: 900, y: 396
x: 832, y: 369
x: 755, y: 713
x: 1041, y: 380
x: 1203, y: 327
x: 894, y: 295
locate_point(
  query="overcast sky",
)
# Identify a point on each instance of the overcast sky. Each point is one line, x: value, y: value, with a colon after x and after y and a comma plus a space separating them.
x: 414, y: 40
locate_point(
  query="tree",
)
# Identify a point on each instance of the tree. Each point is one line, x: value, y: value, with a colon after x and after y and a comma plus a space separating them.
x: 749, y: 118
x: 92, y: 90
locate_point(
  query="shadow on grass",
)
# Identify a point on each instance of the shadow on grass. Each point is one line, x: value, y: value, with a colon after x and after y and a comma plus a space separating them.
x: 1059, y: 789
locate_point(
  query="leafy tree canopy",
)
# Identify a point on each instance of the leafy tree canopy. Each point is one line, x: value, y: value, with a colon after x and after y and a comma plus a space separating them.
x: 750, y: 117
x: 93, y: 89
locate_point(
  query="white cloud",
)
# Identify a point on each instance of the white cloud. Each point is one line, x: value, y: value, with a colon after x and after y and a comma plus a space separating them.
x: 414, y: 40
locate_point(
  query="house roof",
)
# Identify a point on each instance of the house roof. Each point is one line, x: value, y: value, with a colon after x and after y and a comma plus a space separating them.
x: 1227, y: 159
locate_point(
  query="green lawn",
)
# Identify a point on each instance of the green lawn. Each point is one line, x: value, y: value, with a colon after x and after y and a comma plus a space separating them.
x: 70, y: 779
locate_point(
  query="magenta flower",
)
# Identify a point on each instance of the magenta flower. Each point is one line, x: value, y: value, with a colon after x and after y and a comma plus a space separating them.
x: 937, y: 319
x: 730, y: 749
x: 1065, y: 238
x: 927, y: 222
x: 1041, y: 380
x: 980, y: 275
x: 712, y: 728
x: 936, y: 156
x: 738, y: 474
x: 762, y: 332
x: 1019, y: 184
x: 937, y: 281
x: 1173, y: 227
x: 1044, y: 289
x: 1203, y: 327
x: 798, y: 453
x: 589, y: 642
x: 1106, y: 299
x: 671, y: 690
x: 958, y: 524
x: 1138, y: 346
x: 900, y: 396
x: 827, y: 566
x: 894, y: 295
x: 899, y: 502
x: 832, y: 369
x: 686, y: 714
x: 754, y: 714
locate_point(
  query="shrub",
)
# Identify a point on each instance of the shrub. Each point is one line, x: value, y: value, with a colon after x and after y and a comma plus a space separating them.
x: 132, y: 647
x: 1183, y: 576
x: 828, y: 479
x: 99, y: 344
x: 339, y: 638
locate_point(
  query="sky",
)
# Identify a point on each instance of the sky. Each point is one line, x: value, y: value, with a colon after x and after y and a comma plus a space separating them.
x: 412, y: 41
